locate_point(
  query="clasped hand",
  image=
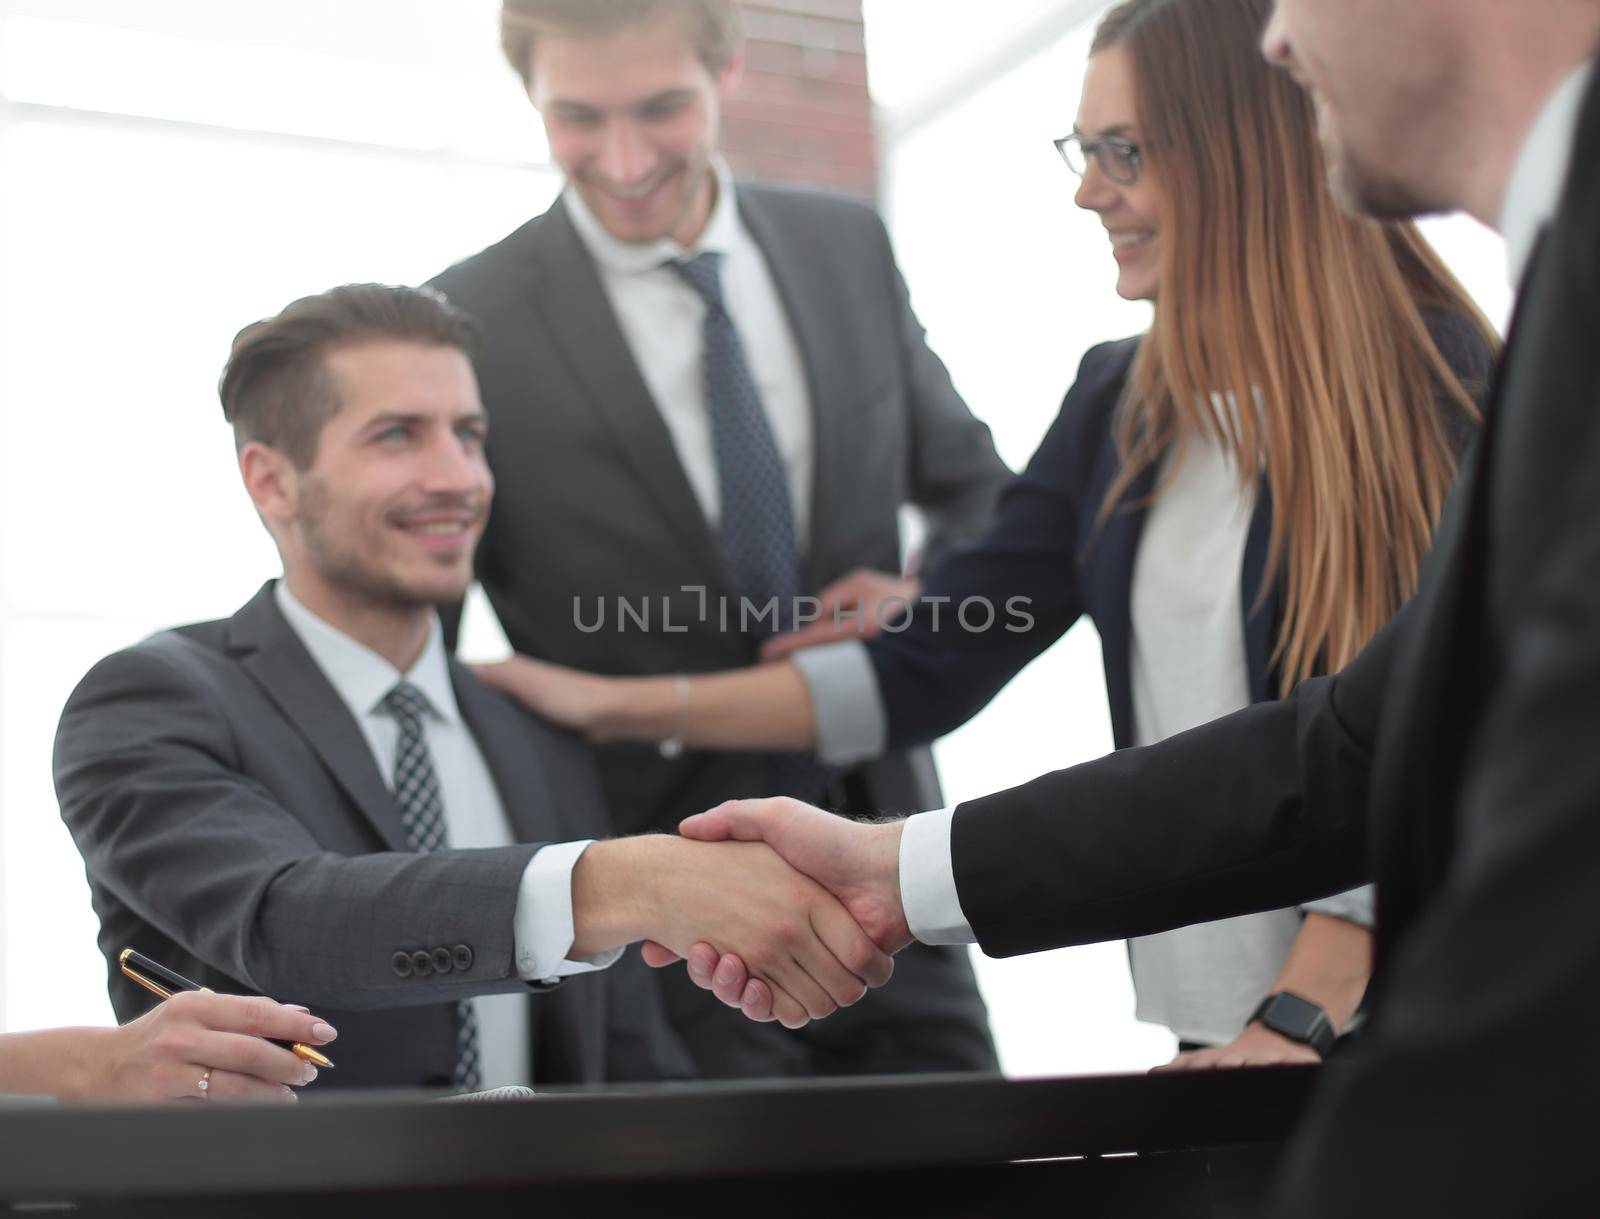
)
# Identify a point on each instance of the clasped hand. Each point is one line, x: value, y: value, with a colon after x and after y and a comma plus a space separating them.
x: 854, y: 866
x: 810, y: 953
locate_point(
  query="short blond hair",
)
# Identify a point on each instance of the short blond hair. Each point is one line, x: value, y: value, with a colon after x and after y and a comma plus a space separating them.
x: 714, y: 26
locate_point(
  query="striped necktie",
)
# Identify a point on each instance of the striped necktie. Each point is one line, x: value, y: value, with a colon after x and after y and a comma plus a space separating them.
x: 416, y: 791
x: 757, y: 530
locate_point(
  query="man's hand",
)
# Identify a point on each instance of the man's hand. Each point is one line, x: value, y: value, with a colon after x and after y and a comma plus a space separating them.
x: 859, y: 864
x: 1257, y: 1046
x: 855, y: 607
x: 793, y: 935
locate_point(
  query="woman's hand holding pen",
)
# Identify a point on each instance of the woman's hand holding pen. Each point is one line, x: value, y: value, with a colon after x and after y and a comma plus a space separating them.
x: 200, y: 1036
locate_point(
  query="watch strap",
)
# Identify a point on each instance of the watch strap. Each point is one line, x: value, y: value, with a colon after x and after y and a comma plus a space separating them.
x: 1298, y: 1019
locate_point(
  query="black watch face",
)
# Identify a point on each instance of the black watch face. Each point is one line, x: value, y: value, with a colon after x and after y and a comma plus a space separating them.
x: 1298, y: 1020
x: 1295, y: 1013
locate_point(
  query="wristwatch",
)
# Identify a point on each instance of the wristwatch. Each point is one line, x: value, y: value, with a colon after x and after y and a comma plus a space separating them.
x: 1298, y: 1019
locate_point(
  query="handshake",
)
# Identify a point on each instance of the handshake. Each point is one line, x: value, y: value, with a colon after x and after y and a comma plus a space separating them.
x: 780, y: 909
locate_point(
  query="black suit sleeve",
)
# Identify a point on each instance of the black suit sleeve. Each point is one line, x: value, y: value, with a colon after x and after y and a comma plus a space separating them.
x: 956, y: 475
x: 1258, y: 811
x: 1479, y: 1054
x: 149, y: 777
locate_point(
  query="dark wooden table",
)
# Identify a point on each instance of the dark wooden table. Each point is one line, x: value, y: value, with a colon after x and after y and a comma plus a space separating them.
x: 1169, y: 1145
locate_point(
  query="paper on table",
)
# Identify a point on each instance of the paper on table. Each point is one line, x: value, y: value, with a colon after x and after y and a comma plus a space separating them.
x: 512, y: 1092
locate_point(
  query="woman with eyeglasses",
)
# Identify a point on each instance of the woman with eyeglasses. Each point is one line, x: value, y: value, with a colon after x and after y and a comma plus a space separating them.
x: 1238, y: 498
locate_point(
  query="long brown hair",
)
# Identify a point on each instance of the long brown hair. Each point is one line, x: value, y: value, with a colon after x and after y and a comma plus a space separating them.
x: 1271, y: 294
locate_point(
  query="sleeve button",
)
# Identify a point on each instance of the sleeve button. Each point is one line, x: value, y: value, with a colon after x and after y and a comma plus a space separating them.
x: 462, y: 956
x: 422, y: 963
x: 402, y: 964
x: 442, y: 962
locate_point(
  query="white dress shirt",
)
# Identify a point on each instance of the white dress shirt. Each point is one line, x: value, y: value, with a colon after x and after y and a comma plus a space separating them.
x: 1540, y: 174
x: 1188, y: 667
x: 473, y: 814
x: 927, y: 872
x: 662, y: 317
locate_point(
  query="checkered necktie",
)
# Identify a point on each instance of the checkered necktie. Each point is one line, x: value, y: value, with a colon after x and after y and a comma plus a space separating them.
x: 416, y: 791
x: 757, y: 530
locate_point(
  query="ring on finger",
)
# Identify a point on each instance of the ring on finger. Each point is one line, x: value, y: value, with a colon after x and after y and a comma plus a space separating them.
x: 205, y: 1084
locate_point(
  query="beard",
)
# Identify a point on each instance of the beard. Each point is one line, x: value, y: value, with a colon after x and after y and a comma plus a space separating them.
x: 1383, y: 169
x: 345, y: 563
x: 1373, y: 195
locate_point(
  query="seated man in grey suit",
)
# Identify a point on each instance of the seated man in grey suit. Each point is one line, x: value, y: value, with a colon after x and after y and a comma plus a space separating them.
x: 312, y: 800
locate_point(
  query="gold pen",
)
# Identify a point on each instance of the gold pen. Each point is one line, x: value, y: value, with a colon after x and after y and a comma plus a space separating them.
x: 163, y: 983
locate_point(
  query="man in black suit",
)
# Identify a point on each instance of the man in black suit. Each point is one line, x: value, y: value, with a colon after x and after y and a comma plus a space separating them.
x: 1454, y: 762
x: 703, y: 392
x: 311, y: 800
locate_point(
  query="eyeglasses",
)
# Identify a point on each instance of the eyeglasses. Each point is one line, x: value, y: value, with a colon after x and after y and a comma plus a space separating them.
x: 1119, y: 159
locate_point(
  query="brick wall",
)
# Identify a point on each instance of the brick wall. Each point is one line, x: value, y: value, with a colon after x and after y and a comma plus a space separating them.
x: 802, y: 113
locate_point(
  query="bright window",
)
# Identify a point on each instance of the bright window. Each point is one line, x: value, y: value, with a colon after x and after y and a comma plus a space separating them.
x: 148, y: 214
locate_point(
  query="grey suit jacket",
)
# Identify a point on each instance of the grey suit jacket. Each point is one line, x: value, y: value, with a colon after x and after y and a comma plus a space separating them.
x: 593, y: 507
x: 235, y: 828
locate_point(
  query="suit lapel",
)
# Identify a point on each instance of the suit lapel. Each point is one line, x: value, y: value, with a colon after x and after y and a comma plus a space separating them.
x: 1113, y: 553
x: 510, y: 750
x: 568, y: 1027
x: 567, y: 294
x: 1259, y: 621
x: 811, y: 303
x: 271, y: 653
x: 1412, y: 809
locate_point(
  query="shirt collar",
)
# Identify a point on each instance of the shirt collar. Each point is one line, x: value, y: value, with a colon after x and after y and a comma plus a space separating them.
x: 359, y: 675
x: 1534, y: 195
x: 635, y: 258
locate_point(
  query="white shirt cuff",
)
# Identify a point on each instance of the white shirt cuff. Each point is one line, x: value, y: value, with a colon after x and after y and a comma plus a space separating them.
x: 542, y: 924
x: 1357, y: 906
x: 852, y: 725
x: 928, y: 880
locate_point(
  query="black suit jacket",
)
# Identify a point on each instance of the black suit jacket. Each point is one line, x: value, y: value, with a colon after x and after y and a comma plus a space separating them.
x: 1455, y: 762
x: 235, y: 828
x: 593, y: 507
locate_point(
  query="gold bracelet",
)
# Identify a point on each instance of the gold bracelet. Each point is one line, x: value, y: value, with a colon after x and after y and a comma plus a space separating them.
x: 672, y: 747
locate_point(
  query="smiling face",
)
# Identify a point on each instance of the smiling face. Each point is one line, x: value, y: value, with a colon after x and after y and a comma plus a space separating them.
x: 1131, y: 213
x: 632, y: 117
x: 391, y: 509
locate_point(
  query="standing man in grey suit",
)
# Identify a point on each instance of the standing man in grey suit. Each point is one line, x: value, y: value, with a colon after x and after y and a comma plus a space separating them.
x: 311, y: 800
x: 710, y: 397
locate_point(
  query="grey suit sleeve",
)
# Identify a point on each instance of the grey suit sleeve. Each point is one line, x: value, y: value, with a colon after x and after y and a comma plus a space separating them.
x: 956, y: 475
x: 149, y: 776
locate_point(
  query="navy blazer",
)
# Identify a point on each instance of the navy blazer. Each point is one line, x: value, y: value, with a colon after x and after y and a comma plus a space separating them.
x: 1048, y: 545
